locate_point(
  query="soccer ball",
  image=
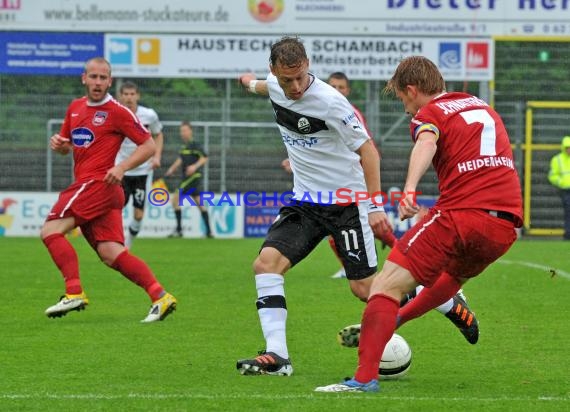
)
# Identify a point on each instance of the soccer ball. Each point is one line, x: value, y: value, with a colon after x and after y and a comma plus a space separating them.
x: 396, y: 359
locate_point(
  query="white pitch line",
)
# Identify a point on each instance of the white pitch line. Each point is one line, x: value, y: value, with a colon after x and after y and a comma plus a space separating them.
x: 559, y: 272
x: 309, y: 396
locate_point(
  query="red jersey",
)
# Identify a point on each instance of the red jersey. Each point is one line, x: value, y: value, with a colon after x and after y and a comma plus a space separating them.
x: 96, y: 131
x: 474, y: 161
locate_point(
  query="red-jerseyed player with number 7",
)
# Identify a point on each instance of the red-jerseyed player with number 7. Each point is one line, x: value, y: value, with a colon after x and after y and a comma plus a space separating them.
x: 471, y: 225
x: 94, y: 128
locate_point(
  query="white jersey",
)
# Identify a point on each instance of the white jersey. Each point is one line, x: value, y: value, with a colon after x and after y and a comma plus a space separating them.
x: 321, y: 133
x: 149, y: 119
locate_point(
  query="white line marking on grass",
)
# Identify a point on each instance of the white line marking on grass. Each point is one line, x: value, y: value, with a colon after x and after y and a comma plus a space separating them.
x: 186, y: 396
x: 559, y: 272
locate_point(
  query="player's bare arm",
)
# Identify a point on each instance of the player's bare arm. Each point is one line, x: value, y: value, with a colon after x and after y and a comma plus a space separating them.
x: 370, y: 161
x: 190, y: 170
x: 173, y: 167
x: 159, y: 142
x: 141, y: 154
x: 60, y: 144
x: 420, y: 160
x: 250, y: 83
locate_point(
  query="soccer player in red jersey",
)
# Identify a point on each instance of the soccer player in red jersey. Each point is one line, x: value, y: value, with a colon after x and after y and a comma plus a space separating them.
x: 469, y: 227
x: 94, y: 128
x: 455, y: 309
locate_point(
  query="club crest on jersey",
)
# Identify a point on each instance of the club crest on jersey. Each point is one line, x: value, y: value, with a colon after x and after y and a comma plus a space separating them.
x: 99, y: 118
x: 82, y: 137
x: 304, y: 125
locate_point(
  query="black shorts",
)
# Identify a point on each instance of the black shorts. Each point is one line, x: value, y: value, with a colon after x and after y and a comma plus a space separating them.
x: 192, y: 184
x: 297, y: 230
x: 136, y: 186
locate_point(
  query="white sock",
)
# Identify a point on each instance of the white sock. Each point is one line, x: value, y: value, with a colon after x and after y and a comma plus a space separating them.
x: 444, y: 307
x: 135, y: 226
x: 270, y: 292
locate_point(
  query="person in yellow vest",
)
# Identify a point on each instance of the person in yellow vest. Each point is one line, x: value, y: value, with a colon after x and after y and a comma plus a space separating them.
x: 559, y: 176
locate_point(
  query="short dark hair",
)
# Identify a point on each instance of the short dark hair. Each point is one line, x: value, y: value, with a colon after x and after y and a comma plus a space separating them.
x: 339, y: 76
x: 288, y: 52
x: 186, y: 123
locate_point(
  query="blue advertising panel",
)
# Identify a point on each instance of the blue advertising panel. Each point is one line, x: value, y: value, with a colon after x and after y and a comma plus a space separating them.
x: 48, y: 53
x: 257, y: 219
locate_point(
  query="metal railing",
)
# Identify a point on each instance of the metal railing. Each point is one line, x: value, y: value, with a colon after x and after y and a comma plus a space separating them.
x: 208, y: 137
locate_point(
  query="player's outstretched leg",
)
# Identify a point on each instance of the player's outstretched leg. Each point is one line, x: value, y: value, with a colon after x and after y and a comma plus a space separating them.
x: 454, y: 308
x: 349, y: 336
x: 457, y: 311
x: 464, y: 319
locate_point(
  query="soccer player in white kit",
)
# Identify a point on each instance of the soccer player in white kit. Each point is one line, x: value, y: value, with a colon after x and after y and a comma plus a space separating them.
x: 333, y: 160
x: 137, y: 180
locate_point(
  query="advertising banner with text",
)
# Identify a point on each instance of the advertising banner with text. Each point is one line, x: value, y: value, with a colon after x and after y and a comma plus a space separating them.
x: 334, y: 17
x: 227, y: 56
x: 48, y: 53
x: 23, y: 214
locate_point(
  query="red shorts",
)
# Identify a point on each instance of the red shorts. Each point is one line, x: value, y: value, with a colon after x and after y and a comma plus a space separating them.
x: 460, y: 242
x: 97, y: 208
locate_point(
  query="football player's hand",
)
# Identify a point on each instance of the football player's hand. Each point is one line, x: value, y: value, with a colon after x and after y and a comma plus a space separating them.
x: 114, y: 175
x: 59, y: 144
x: 245, y: 78
x: 190, y: 170
x: 379, y: 223
x: 408, y: 207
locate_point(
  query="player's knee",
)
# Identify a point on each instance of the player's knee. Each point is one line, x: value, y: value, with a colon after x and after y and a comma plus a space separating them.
x: 44, y: 232
x: 360, y: 292
x: 270, y: 261
x: 139, y: 213
x: 261, y: 265
x: 108, y: 252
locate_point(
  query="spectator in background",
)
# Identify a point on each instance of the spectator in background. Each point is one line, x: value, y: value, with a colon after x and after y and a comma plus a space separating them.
x: 191, y: 157
x: 136, y: 181
x: 559, y: 177
x: 94, y: 128
x: 340, y: 81
x: 286, y: 165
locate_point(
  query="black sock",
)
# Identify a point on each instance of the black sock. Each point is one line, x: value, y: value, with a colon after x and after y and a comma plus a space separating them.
x: 178, y: 214
x: 206, y: 218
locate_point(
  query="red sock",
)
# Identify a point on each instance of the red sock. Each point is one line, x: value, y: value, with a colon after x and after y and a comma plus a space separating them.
x: 137, y: 271
x: 66, y: 260
x: 442, y: 290
x: 388, y: 239
x: 378, y: 325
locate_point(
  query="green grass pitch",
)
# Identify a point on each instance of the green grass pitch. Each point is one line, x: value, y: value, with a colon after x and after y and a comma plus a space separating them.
x: 103, y: 359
